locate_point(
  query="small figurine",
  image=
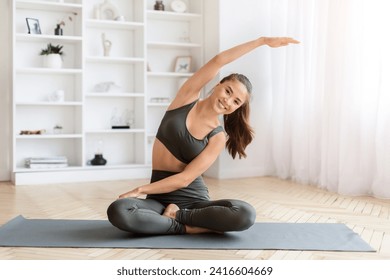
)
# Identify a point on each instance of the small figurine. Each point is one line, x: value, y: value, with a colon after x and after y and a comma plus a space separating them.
x: 106, y: 45
x: 105, y: 86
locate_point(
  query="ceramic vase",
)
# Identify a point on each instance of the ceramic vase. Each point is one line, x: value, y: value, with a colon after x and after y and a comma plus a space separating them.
x: 53, y: 60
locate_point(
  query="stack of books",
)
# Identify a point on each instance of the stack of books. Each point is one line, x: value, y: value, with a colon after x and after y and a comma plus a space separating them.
x: 46, y: 162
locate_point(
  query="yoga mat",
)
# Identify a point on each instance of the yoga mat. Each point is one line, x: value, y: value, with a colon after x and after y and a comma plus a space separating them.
x: 21, y: 232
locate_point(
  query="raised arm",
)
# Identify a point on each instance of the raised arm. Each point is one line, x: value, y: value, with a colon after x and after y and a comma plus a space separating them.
x: 192, y: 87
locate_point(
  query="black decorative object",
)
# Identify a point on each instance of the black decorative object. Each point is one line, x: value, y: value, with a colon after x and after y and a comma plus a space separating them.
x: 98, y: 160
x: 159, y: 6
x: 58, y: 30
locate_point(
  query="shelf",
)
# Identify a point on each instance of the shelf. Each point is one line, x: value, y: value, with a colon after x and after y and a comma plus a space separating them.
x: 115, y: 131
x: 47, y: 6
x: 166, y: 15
x: 173, y: 45
x: 156, y: 104
x: 114, y: 166
x: 25, y: 169
x: 49, y: 136
x: 169, y: 74
x: 114, y: 24
x: 113, y: 94
x: 124, y: 60
x: 46, y: 103
x: 40, y: 70
x: 44, y: 38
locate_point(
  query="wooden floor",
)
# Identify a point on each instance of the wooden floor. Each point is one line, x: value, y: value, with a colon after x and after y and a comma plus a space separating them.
x: 275, y: 201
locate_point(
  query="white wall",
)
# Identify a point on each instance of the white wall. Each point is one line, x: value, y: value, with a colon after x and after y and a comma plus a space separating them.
x: 238, y: 22
x: 5, y: 104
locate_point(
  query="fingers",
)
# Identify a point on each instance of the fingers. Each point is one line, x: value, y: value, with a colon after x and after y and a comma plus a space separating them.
x: 292, y: 40
x: 288, y: 40
x: 276, y: 42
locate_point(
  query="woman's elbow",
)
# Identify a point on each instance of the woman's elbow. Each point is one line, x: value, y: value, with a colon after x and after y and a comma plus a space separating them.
x: 218, y: 60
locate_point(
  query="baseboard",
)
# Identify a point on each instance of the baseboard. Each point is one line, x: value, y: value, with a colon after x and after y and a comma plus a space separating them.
x: 80, y: 175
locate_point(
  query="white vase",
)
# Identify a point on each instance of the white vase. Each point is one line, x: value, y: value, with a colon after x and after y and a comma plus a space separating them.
x: 52, y: 60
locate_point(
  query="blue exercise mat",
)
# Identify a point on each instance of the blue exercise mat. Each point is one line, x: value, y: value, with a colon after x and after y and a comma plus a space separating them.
x: 21, y: 232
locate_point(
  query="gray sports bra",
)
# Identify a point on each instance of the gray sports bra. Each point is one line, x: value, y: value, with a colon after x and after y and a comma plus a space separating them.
x: 173, y: 133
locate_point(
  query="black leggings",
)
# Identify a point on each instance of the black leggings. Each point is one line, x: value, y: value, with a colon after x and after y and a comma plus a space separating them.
x: 144, y: 216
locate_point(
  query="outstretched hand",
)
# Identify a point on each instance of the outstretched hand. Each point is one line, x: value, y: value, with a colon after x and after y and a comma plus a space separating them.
x: 132, y: 193
x: 275, y: 42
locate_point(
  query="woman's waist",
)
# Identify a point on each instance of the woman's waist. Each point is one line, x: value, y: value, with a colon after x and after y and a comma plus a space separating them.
x: 195, y: 191
x: 158, y: 175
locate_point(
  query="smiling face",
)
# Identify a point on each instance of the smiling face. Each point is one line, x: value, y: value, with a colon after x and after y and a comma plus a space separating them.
x: 229, y: 96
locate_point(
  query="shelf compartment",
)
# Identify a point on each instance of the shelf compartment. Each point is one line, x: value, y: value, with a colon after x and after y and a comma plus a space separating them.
x: 162, y: 56
x: 124, y: 42
x: 127, y: 77
x: 48, y: 147
x: 163, y: 86
x: 130, y: 10
x: 102, y: 113
x: 46, y: 118
x: 49, y: 82
x: 117, y: 149
x: 27, y: 53
x: 174, y: 31
x: 49, y: 14
x: 193, y: 7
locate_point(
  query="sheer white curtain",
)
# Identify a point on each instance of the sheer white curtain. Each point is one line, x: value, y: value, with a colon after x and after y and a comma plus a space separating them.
x: 327, y: 113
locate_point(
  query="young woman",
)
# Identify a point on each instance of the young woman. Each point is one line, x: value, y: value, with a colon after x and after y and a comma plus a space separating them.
x: 188, y: 141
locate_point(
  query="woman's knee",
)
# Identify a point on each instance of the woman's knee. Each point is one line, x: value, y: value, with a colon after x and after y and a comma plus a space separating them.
x: 119, y: 213
x: 246, y: 214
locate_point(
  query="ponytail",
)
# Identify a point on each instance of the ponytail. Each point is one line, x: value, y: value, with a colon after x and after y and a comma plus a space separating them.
x: 240, y: 133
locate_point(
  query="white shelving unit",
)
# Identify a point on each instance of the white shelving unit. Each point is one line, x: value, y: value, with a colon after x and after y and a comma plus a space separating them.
x: 101, y: 89
x: 170, y: 35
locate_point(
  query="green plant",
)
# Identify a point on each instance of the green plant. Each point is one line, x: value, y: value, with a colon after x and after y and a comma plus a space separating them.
x: 52, y: 49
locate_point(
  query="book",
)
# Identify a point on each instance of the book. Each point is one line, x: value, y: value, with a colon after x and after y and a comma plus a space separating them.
x: 57, y: 159
x: 47, y: 165
x: 46, y: 162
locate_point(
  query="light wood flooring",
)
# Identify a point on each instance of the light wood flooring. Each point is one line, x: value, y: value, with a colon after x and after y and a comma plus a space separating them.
x: 275, y: 201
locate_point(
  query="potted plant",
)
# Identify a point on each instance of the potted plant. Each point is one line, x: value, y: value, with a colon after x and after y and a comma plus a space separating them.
x: 52, y: 56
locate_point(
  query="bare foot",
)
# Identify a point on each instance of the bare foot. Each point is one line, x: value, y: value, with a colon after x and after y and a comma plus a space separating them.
x: 196, y: 230
x: 170, y: 211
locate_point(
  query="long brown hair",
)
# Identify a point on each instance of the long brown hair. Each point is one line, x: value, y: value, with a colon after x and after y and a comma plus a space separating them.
x: 240, y: 133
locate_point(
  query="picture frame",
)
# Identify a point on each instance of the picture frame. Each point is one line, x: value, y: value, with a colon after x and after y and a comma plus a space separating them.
x: 183, y: 64
x: 33, y: 26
